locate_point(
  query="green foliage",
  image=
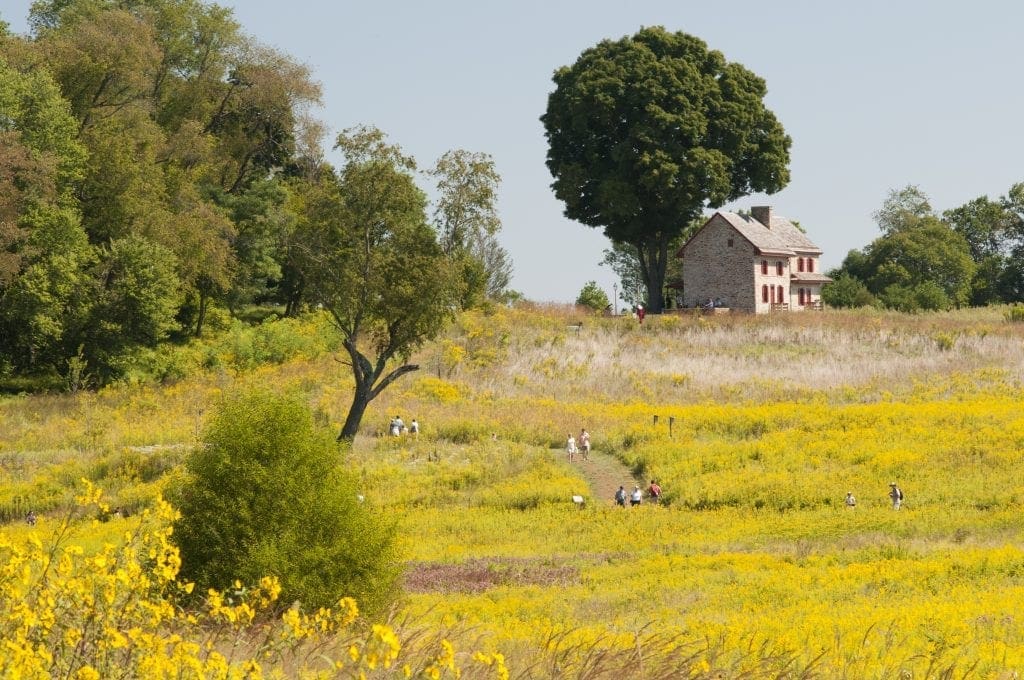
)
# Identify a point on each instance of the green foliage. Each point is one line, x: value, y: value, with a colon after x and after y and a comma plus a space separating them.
x: 1014, y: 314
x: 646, y: 131
x: 903, y: 208
x: 923, y: 264
x: 266, y: 495
x: 846, y: 291
x: 466, y: 218
x: 371, y: 259
x: 593, y: 297
x: 134, y: 302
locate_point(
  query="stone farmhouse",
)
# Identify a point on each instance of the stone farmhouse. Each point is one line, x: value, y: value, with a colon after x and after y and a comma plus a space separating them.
x: 757, y: 263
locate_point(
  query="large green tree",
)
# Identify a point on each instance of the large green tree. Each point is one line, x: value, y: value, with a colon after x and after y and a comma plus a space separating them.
x: 369, y: 256
x: 647, y: 131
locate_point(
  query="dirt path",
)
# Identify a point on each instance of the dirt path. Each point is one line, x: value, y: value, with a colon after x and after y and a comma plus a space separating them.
x: 604, y: 474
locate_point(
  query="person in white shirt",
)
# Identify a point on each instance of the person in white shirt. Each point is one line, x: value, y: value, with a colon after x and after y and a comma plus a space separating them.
x: 636, y: 497
x: 570, y: 447
x: 850, y: 500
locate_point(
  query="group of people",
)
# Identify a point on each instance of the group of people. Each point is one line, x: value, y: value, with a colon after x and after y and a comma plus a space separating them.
x: 580, y: 446
x: 637, y: 496
x: 397, y: 427
x: 895, y: 495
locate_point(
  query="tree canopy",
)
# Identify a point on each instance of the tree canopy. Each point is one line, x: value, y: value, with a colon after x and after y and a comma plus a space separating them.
x: 647, y: 131
x: 369, y: 256
x: 924, y: 262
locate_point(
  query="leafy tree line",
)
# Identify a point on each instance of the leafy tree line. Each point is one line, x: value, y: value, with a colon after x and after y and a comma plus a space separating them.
x: 156, y: 161
x: 969, y: 255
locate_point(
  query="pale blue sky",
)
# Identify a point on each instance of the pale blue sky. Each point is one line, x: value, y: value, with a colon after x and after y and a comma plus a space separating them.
x: 875, y: 94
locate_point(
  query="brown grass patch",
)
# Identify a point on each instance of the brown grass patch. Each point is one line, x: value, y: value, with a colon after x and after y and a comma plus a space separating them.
x: 478, y: 575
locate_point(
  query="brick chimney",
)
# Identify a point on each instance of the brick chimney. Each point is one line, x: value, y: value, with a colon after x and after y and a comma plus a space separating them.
x: 763, y: 214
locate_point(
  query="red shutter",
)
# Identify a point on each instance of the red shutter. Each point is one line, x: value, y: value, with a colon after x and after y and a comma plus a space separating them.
x: 764, y: 266
x: 764, y: 293
x: 800, y: 264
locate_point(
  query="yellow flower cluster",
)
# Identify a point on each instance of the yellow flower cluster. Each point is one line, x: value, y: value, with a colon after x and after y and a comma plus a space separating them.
x: 121, y: 612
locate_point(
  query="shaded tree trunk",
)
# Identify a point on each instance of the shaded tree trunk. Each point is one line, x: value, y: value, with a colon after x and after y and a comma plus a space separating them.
x: 360, y: 400
x: 653, y: 257
x: 367, y: 385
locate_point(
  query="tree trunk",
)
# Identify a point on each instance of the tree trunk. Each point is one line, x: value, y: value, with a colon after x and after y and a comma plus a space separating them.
x: 653, y: 261
x: 360, y: 401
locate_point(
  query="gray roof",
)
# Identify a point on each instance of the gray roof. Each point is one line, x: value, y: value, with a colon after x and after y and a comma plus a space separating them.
x: 782, y: 239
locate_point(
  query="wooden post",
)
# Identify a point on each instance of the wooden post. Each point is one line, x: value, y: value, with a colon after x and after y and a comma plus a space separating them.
x: 655, y: 421
x: 671, y: 422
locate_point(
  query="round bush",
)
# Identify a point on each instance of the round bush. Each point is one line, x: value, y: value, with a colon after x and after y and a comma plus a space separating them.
x: 266, y: 495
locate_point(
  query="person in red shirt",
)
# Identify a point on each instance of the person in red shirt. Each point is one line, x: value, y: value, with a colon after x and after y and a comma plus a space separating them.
x: 640, y: 313
x: 654, y: 491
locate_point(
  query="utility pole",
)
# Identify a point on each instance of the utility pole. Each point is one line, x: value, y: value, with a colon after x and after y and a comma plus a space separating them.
x: 615, y: 299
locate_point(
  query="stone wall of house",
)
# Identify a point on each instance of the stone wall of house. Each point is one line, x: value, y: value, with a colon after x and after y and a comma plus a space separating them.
x: 773, y: 280
x: 717, y: 264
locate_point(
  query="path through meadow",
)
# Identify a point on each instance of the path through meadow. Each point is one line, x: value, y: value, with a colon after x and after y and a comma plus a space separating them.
x: 604, y: 474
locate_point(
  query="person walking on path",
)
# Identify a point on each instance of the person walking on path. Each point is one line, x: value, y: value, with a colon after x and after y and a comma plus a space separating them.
x: 851, y: 502
x: 570, y: 447
x: 654, y: 491
x: 585, y: 444
x: 620, y: 496
x: 636, y: 497
x: 640, y: 313
x: 896, y: 494
x: 414, y: 428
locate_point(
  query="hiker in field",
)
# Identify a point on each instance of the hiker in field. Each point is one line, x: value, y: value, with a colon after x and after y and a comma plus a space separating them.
x: 414, y: 428
x: 30, y: 518
x: 620, y: 496
x: 896, y: 494
x: 851, y: 502
x: 570, y: 447
x: 640, y: 313
x: 654, y: 491
x: 585, y: 444
x: 636, y: 497
x: 395, y: 427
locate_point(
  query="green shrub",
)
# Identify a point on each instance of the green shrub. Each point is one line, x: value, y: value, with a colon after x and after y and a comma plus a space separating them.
x: 266, y: 495
x: 847, y: 291
x: 1014, y: 314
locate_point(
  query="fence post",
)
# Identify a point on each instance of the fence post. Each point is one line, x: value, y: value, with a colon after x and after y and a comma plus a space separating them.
x: 655, y: 421
x: 671, y: 422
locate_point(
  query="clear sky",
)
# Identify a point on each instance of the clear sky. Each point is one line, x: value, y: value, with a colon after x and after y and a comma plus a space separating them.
x: 876, y: 94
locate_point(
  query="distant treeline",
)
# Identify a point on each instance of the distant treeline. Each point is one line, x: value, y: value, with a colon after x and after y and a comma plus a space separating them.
x: 156, y: 161
x: 972, y: 255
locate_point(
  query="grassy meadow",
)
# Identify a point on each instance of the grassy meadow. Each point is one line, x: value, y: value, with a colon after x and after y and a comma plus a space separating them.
x: 750, y: 567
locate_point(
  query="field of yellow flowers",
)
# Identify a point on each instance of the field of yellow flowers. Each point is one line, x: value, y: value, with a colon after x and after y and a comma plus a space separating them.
x: 752, y: 565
